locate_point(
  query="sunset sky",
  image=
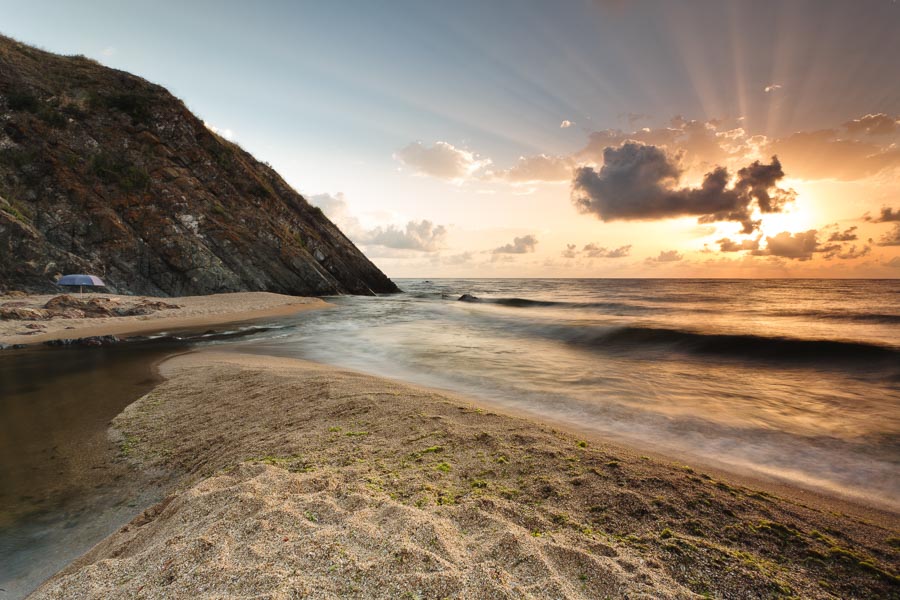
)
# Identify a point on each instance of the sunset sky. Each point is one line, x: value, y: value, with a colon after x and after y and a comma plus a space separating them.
x: 545, y: 139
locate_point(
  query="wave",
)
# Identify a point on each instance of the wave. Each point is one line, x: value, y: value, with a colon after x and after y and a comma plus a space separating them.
x: 528, y: 303
x: 880, y: 318
x: 782, y: 349
x: 876, y: 318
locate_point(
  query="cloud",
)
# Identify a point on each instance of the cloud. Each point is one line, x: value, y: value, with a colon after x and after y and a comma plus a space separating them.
x: 848, y: 235
x: 336, y: 209
x: 442, y: 160
x: 109, y: 51
x: 894, y: 262
x: 879, y: 124
x: 225, y: 133
x: 856, y: 149
x: 571, y: 251
x: 566, y: 124
x: 891, y: 238
x: 639, y: 182
x: 520, y: 245
x: 667, y: 256
x: 594, y: 251
x: 423, y: 236
x: 727, y: 245
x: 854, y: 253
x: 823, y: 154
x: 888, y: 215
x: 797, y: 246
x: 532, y: 169
x: 772, y: 88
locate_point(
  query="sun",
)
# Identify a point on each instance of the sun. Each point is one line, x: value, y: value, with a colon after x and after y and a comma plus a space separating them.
x: 796, y: 216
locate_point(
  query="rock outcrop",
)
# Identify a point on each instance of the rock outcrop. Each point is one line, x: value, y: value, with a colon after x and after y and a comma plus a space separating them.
x: 102, y: 172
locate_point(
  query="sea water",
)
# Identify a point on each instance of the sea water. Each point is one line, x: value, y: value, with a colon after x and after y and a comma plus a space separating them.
x: 796, y: 380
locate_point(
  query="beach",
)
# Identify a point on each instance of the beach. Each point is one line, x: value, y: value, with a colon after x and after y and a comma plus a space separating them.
x: 192, y: 312
x: 297, y: 479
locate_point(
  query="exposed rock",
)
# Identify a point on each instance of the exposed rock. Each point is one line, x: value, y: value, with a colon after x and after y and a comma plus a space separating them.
x: 103, y: 172
x: 23, y: 314
x: 468, y: 298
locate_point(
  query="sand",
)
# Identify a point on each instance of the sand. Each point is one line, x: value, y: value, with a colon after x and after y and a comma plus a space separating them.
x: 301, y: 480
x: 194, y: 312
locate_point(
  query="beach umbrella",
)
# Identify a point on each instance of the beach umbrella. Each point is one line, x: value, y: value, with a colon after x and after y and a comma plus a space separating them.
x: 80, y: 281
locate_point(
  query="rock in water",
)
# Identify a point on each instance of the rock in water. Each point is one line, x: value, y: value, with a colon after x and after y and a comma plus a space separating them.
x: 468, y: 298
x: 103, y: 172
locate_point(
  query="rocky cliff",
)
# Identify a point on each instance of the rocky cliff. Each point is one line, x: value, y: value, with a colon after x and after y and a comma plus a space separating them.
x: 102, y: 172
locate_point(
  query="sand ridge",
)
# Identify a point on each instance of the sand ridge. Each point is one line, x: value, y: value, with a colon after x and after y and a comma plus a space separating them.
x: 302, y: 480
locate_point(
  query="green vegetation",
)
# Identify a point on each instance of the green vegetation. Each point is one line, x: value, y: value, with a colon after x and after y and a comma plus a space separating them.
x: 443, y: 467
x: 116, y: 170
x: 128, y: 444
x: 137, y: 106
x: 22, y: 100
x: 582, y: 444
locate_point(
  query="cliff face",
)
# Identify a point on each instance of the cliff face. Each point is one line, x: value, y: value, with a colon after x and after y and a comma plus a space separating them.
x: 102, y: 172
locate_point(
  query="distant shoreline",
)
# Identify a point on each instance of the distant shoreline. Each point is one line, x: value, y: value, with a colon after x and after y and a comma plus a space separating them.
x: 193, y: 312
x: 301, y: 476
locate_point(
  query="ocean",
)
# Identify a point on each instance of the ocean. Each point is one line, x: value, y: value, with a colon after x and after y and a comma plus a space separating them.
x: 793, y: 380
x: 797, y: 380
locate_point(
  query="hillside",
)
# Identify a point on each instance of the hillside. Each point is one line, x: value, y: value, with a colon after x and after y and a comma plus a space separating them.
x: 103, y: 172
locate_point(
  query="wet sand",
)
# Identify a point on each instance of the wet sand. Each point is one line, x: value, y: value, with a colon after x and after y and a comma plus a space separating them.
x: 299, y: 479
x: 193, y: 312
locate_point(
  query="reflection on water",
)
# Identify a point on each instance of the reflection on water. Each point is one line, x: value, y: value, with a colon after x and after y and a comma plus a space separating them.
x: 798, y: 379
x: 65, y: 485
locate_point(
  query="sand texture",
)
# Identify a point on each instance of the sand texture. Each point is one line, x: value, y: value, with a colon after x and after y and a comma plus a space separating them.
x: 304, y: 481
x: 193, y: 311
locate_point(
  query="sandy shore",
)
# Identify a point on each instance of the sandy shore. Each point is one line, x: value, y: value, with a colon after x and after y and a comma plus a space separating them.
x: 301, y: 480
x: 193, y: 312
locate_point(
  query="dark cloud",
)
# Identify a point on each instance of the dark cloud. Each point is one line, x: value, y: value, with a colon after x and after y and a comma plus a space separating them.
x: 848, y: 235
x: 639, y: 182
x: 891, y: 238
x: 422, y: 235
x: 667, y: 256
x: 520, y: 245
x: 879, y: 124
x: 887, y: 215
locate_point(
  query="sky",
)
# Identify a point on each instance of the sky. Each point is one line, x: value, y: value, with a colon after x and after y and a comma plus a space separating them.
x: 604, y: 138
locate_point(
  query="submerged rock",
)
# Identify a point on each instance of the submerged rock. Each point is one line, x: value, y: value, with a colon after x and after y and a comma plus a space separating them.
x: 468, y: 298
x: 93, y: 341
